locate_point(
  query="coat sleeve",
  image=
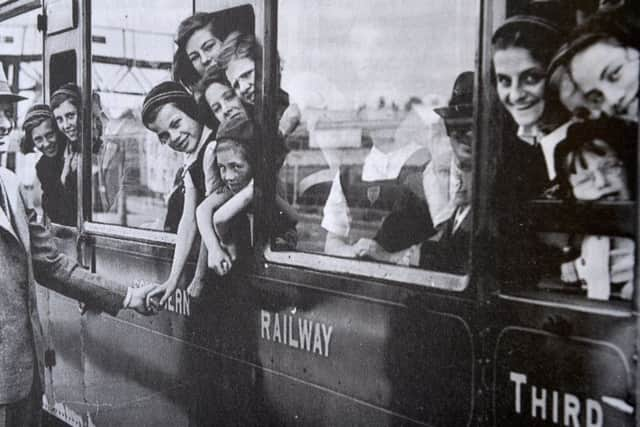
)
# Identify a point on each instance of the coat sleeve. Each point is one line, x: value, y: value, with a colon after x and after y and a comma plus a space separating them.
x: 56, y: 271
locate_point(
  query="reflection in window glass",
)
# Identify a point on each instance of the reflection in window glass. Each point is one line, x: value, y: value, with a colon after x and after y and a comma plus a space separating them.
x: 373, y: 169
x: 133, y: 176
x: 21, y: 53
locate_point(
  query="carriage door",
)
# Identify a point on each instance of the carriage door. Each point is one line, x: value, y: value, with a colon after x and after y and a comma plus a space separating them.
x: 562, y: 345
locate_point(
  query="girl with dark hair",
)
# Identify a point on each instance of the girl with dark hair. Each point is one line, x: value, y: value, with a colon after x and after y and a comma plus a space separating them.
x: 66, y: 105
x: 41, y: 132
x: 522, y: 49
x: 199, y: 42
x: 172, y: 113
x: 597, y: 162
x: 601, y: 59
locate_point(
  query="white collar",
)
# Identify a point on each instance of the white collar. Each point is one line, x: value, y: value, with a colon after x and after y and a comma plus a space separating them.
x: 383, y: 166
x: 530, y: 134
x: 190, y: 158
x: 548, y: 144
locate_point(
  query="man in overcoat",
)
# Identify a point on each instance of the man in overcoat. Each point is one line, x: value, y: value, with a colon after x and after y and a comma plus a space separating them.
x: 28, y: 255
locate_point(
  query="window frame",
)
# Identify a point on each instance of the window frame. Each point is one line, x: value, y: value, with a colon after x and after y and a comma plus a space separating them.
x: 616, y: 219
x: 362, y: 268
x: 88, y: 225
x: 134, y: 234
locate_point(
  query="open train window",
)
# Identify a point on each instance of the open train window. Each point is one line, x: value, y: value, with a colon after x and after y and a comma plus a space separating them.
x: 376, y: 113
x: 568, y: 167
x: 133, y: 175
x: 136, y: 180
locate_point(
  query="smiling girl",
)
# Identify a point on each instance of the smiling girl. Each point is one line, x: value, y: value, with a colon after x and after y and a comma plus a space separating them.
x: 522, y: 49
x: 172, y: 114
x: 602, y: 60
x: 42, y: 133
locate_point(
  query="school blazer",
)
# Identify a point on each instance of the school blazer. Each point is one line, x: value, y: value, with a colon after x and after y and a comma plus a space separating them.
x: 50, y: 268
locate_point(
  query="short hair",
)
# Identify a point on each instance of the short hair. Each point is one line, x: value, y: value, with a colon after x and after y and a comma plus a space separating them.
x: 220, y: 26
x: 168, y: 92
x: 67, y: 92
x: 618, y: 134
x: 617, y: 24
x: 214, y: 74
x: 239, y: 132
x: 36, y: 115
x: 541, y: 38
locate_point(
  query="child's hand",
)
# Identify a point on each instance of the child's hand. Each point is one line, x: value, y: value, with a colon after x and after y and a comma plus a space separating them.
x: 195, y: 288
x: 289, y: 120
x: 219, y: 261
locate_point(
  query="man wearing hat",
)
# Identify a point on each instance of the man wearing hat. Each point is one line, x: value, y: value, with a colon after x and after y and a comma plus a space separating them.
x: 450, y: 252
x: 9, y: 141
x: 28, y: 253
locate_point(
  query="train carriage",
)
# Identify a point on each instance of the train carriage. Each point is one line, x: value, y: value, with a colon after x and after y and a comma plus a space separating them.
x: 301, y: 336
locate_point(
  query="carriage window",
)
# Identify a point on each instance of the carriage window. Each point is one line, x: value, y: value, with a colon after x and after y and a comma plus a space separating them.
x: 21, y: 57
x: 572, y: 233
x: 376, y: 112
x: 133, y: 176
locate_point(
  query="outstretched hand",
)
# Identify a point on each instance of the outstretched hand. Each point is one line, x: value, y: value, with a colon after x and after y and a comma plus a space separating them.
x: 166, y: 290
x: 138, y: 299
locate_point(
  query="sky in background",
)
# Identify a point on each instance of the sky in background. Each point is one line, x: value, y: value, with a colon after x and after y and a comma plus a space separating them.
x: 374, y: 48
x: 336, y: 54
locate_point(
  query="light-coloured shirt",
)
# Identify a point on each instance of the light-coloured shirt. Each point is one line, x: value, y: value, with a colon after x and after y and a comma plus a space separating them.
x: 377, y: 166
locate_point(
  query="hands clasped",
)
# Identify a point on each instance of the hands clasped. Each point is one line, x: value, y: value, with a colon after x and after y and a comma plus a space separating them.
x: 139, y: 299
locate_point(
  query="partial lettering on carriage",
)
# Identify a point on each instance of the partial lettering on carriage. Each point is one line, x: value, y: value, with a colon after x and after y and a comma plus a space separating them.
x: 556, y: 407
x: 178, y: 302
x: 296, y: 332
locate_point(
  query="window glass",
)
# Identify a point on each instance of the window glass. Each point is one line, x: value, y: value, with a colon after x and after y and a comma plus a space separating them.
x: 379, y: 142
x: 133, y: 176
x: 21, y: 53
x: 567, y: 151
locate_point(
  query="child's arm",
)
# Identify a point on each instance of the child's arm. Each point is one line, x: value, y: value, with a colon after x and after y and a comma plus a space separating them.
x: 217, y: 258
x: 231, y: 208
x: 197, y: 283
x: 285, y: 207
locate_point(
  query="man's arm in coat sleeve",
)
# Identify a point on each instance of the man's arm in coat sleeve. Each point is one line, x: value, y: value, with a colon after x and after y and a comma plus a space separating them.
x: 58, y: 272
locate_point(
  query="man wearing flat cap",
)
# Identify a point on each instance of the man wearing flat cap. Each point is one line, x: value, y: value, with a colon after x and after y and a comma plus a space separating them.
x: 29, y: 254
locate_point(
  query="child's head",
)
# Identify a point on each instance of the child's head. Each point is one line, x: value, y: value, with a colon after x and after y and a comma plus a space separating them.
x: 170, y: 112
x: 239, y: 53
x: 66, y: 105
x: 235, y: 152
x: 220, y: 98
x: 596, y: 159
x: 41, y: 131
